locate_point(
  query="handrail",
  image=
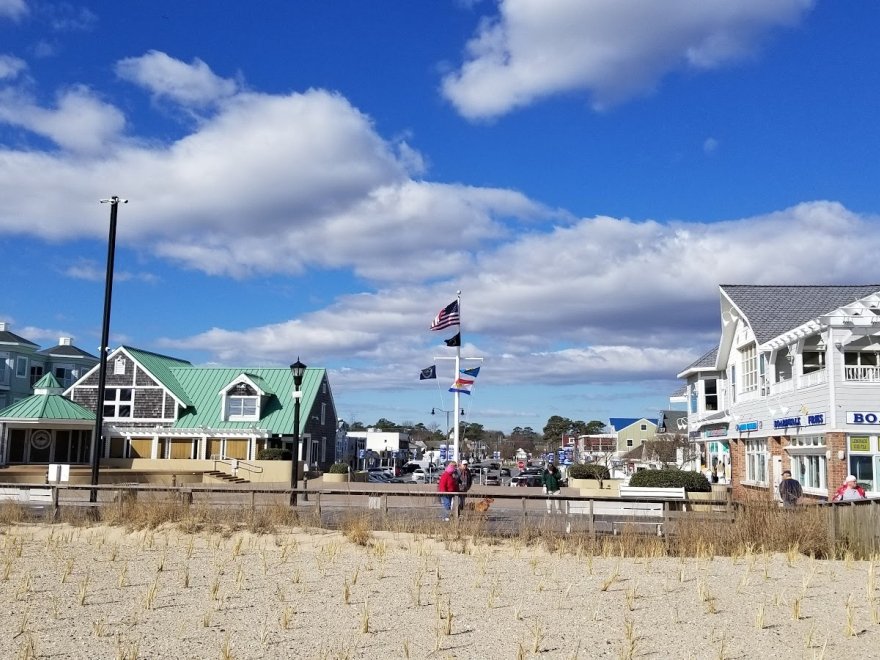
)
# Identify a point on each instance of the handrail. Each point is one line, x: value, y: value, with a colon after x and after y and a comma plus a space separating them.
x: 242, y: 465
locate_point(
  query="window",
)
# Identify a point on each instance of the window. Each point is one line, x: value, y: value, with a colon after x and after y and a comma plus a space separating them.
x: 4, y: 398
x: 36, y: 373
x: 710, y: 389
x: 813, y: 361
x: 733, y: 383
x: 119, y: 402
x: 863, y: 469
x: 21, y: 367
x: 65, y: 376
x: 749, y: 357
x: 643, y: 427
x: 242, y: 403
x: 4, y: 370
x: 693, y: 398
x: 629, y: 442
x: 756, y: 461
x: 323, y: 413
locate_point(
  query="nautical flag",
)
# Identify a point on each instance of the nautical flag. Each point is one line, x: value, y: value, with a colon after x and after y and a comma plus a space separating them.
x: 447, y: 317
x: 428, y: 372
x: 454, y: 341
x: 465, y: 381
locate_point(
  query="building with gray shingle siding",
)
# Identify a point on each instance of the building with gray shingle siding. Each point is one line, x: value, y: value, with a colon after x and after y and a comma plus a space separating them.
x: 793, y: 384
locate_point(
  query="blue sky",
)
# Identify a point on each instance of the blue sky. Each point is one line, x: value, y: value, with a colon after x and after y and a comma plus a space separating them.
x: 318, y: 179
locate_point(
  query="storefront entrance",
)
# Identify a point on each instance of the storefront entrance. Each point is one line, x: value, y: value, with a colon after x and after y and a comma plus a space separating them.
x: 29, y: 446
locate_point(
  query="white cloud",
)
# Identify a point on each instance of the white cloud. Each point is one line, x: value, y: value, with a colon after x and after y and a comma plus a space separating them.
x: 11, y: 66
x: 80, y: 122
x: 14, y: 9
x: 602, y: 300
x: 613, y: 49
x: 191, y: 85
x: 91, y: 271
x: 710, y: 146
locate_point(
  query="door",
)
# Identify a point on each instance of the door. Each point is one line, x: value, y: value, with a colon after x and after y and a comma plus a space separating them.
x: 777, y: 476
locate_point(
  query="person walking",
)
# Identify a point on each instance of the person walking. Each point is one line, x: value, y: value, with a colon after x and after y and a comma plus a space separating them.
x: 850, y: 490
x: 790, y: 490
x: 465, y: 481
x: 448, y: 484
x: 552, y: 481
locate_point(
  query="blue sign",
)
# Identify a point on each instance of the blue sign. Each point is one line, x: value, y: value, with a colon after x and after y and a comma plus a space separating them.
x: 815, y: 420
x: 786, y: 422
x: 748, y: 426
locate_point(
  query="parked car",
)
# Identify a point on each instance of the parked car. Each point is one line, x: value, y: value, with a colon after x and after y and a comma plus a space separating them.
x: 526, y: 480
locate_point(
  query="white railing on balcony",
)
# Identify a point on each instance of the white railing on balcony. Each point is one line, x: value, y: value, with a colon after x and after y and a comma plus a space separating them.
x: 863, y: 374
x: 782, y: 387
x: 814, y: 378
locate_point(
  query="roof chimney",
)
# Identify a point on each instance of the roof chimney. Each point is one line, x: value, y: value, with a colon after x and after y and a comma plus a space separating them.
x: 3, y: 326
x: 65, y: 341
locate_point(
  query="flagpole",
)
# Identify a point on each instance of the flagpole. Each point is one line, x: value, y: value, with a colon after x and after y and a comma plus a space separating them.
x: 456, y: 394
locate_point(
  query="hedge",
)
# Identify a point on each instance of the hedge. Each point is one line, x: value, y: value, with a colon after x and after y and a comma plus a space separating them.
x: 588, y: 471
x: 339, y: 468
x: 693, y: 482
x: 270, y: 454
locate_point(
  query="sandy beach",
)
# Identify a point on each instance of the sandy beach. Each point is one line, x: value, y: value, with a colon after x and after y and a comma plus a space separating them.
x: 105, y: 592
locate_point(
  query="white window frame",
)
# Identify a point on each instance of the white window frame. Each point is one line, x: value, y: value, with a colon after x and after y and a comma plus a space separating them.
x: 749, y: 375
x: 116, y: 403
x: 629, y: 442
x: 757, y: 461
x: 238, y: 408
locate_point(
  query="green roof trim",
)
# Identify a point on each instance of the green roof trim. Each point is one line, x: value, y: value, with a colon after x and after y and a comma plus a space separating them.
x: 162, y: 367
x: 276, y: 414
x: 47, y: 407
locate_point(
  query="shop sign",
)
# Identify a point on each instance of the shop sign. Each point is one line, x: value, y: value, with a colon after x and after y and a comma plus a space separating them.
x: 786, y: 422
x: 861, y: 443
x: 748, y: 426
x: 715, y: 433
x: 816, y: 419
x: 863, y: 418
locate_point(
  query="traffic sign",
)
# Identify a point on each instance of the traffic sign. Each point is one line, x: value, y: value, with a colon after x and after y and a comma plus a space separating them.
x: 520, y: 464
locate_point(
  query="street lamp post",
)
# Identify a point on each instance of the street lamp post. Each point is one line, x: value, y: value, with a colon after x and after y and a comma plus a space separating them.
x: 98, y: 434
x: 297, y: 369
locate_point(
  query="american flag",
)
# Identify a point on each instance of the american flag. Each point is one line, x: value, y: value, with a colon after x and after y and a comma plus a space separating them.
x: 447, y: 317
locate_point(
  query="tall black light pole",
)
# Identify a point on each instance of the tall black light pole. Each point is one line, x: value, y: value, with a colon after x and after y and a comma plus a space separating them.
x: 98, y: 434
x: 297, y: 369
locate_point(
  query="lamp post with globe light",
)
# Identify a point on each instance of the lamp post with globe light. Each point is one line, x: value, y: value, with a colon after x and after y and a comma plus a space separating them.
x: 297, y: 370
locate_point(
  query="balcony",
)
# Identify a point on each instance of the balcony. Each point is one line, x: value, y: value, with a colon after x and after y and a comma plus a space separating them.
x: 862, y: 374
x: 814, y: 378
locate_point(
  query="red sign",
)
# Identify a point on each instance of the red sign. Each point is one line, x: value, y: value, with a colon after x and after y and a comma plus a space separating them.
x: 520, y: 464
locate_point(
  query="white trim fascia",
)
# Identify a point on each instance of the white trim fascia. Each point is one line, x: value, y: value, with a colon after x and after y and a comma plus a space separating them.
x: 242, y: 377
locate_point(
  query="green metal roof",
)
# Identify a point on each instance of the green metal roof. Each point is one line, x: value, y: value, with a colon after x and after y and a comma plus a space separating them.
x: 203, y: 384
x: 48, y: 407
x: 163, y: 369
x: 47, y: 382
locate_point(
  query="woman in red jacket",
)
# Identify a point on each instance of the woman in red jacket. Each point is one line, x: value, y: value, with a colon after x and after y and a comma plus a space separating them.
x: 448, y: 484
x: 850, y: 490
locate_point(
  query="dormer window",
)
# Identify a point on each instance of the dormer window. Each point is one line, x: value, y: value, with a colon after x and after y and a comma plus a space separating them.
x: 242, y: 403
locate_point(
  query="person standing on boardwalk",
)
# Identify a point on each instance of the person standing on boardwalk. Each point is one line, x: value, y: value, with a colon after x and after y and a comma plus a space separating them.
x: 850, y: 490
x: 465, y: 481
x: 448, y: 484
x: 552, y: 481
x: 790, y: 490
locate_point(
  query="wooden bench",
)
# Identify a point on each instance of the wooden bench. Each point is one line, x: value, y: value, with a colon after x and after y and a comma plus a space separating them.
x: 30, y: 496
x: 645, y: 492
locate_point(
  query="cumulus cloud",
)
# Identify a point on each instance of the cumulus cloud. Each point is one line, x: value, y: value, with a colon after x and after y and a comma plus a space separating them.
x: 266, y: 184
x: 11, y: 66
x: 612, y: 49
x: 13, y: 9
x: 601, y: 300
x: 191, y: 85
x: 80, y: 121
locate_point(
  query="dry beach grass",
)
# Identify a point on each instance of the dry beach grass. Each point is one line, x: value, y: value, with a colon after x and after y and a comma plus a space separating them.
x: 167, y: 582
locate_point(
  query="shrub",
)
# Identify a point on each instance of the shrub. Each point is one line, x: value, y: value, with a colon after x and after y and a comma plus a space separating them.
x: 338, y: 468
x: 693, y: 482
x: 588, y: 471
x: 269, y: 454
